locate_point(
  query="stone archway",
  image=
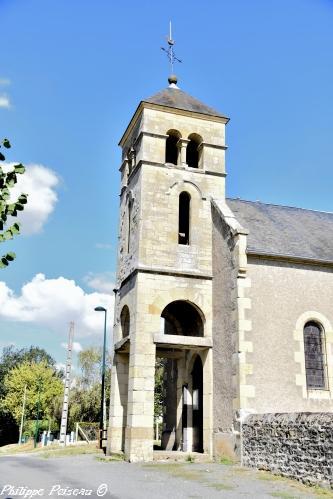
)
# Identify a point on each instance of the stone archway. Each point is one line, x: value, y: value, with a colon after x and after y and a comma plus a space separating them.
x: 183, y: 319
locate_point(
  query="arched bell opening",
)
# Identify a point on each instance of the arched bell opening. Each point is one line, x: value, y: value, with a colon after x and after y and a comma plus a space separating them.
x: 182, y: 318
x: 171, y: 147
x: 193, y: 151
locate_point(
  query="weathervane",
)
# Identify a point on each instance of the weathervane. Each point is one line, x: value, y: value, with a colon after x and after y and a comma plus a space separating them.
x: 170, y: 52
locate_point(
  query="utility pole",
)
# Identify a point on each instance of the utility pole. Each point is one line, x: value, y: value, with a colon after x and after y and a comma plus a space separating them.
x: 64, y: 416
x: 22, y: 415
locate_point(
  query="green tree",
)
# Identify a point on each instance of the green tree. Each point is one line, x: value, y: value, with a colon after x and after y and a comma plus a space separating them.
x: 12, y: 357
x: 85, y: 396
x: 90, y: 364
x: 7, y: 207
x: 43, y: 386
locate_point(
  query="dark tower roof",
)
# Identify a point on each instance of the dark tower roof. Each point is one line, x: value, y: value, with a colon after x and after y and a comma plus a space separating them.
x: 177, y: 99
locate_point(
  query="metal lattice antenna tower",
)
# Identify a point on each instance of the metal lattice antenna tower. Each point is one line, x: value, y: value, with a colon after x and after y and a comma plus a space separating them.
x: 64, y: 416
x: 170, y: 51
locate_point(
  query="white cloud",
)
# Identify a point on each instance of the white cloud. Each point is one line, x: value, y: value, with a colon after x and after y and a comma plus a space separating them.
x: 103, y: 283
x: 40, y: 183
x: 76, y: 347
x: 53, y: 303
x: 4, y: 101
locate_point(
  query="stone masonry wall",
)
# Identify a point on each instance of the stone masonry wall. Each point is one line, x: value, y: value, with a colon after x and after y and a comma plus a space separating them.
x: 295, y: 445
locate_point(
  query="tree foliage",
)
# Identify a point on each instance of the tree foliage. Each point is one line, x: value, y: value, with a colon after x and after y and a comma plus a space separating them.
x: 8, y: 208
x: 43, y: 386
x: 10, y: 358
x: 85, y: 396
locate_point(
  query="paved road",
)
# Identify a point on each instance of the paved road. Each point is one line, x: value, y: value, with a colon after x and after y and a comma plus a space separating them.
x: 60, y: 476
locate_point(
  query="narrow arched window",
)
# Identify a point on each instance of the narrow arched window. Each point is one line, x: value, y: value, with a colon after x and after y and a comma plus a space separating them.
x: 129, y: 223
x: 171, y: 147
x: 192, y: 151
x: 125, y: 321
x: 184, y: 218
x: 315, y: 356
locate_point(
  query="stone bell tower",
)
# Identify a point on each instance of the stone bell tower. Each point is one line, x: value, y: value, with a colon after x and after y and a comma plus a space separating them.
x: 173, y: 163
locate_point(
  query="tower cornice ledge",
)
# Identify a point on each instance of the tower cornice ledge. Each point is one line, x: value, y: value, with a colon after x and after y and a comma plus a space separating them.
x: 194, y: 274
x: 144, y: 162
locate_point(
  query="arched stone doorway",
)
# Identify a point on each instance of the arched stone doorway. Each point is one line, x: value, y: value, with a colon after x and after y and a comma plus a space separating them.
x: 182, y: 380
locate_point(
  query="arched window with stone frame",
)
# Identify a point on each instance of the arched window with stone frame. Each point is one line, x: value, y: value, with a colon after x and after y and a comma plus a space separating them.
x: 315, y: 356
x: 129, y: 223
x: 184, y: 218
x: 171, y: 147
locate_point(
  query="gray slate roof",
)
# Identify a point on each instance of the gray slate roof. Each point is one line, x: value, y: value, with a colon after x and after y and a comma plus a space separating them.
x: 176, y: 98
x: 287, y: 231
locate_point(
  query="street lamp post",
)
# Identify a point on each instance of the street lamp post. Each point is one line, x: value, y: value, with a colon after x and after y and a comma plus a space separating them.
x: 102, y: 413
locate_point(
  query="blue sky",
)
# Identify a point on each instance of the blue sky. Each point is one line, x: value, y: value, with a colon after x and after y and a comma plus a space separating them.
x: 71, y: 76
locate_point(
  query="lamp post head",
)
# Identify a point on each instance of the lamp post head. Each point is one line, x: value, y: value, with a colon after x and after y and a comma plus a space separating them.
x: 100, y: 309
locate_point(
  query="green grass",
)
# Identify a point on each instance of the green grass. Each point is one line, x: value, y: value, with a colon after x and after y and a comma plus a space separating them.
x: 109, y: 459
x: 269, y: 477
x: 226, y: 460
x: 16, y: 448
x: 183, y: 471
x: 220, y: 486
x: 321, y: 492
x: 178, y: 470
x: 283, y: 495
x: 69, y: 451
x: 190, y: 458
x: 300, y: 487
x: 49, y: 451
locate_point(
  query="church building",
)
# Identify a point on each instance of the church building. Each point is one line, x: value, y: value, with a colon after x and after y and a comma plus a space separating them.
x: 236, y: 296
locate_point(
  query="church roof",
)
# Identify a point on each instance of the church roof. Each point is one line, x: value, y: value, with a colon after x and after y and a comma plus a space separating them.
x: 177, y: 99
x: 285, y: 231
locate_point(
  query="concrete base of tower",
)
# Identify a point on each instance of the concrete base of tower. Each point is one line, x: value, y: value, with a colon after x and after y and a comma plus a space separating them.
x: 139, y: 444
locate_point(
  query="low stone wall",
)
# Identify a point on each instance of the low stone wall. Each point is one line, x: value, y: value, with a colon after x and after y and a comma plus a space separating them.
x: 294, y: 445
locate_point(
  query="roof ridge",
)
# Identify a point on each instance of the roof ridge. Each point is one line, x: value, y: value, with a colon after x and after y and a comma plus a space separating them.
x: 279, y: 205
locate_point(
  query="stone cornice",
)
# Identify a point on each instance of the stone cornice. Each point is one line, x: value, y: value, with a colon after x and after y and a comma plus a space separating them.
x: 192, y: 274
x: 143, y: 162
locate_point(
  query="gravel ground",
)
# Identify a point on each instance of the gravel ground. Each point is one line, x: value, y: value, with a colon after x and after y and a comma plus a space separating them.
x: 98, y: 477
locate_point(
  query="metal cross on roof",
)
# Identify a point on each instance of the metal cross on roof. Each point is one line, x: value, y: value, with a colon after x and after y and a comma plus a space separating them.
x: 170, y: 51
